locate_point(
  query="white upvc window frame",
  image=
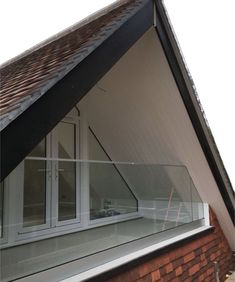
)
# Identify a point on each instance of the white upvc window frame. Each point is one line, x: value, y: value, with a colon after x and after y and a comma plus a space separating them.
x: 15, y: 233
x: 55, y: 180
x: 4, y: 219
x: 20, y: 175
x: 52, y: 224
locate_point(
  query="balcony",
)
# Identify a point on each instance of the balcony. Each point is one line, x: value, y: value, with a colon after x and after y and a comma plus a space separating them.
x: 73, y: 210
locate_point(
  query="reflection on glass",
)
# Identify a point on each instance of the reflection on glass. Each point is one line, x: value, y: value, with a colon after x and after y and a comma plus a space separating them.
x: 35, y: 188
x: 197, y: 204
x: 1, y: 209
x: 67, y: 171
x: 110, y: 195
x: 164, y: 192
x: 166, y: 200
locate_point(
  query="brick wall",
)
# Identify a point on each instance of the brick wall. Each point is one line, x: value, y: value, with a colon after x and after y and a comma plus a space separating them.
x: 192, y: 261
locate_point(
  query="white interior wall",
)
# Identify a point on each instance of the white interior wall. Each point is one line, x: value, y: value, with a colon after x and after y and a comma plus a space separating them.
x: 106, y: 183
x: 138, y: 115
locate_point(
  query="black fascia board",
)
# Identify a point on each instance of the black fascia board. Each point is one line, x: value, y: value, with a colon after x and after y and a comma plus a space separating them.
x: 163, y: 29
x: 26, y: 131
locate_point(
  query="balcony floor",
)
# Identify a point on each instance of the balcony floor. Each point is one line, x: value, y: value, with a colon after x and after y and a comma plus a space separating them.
x: 40, y: 255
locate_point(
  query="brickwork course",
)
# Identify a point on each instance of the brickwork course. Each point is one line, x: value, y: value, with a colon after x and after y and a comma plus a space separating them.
x: 192, y: 261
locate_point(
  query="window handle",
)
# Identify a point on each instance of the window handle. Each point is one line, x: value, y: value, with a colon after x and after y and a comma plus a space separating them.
x: 47, y: 170
x: 57, y: 170
x: 44, y: 169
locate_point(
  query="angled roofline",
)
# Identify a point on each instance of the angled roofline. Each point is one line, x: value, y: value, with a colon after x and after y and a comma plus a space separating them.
x: 29, y: 77
x: 79, y: 24
x: 191, y: 101
x: 23, y: 133
x: 20, y: 136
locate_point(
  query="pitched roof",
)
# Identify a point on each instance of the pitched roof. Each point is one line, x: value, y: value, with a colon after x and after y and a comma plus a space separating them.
x: 25, y: 80
x: 60, y: 72
x: 66, y: 68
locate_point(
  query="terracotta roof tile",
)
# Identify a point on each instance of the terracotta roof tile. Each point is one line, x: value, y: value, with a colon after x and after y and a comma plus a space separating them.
x: 29, y: 77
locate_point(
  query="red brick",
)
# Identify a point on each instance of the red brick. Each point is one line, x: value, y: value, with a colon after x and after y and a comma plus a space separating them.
x: 203, y: 263
x: 169, y: 267
x: 143, y: 270
x: 133, y: 274
x: 188, y: 280
x: 146, y: 278
x: 218, y: 253
x: 201, y: 277
x: 174, y: 255
x: 176, y: 280
x: 178, y: 271
x: 155, y: 275
x: 194, y: 269
x: 209, y: 246
x: 198, y: 252
x: 169, y: 276
x: 212, y: 256
x: 210, y: 271
x: 202, y: 256
x: 189, y: 257
x: 160, y: 261
x: 162, y: 271
x: 210, y: 278
x: 164, y: 260
x: 190, y: 262
x: 177, y: 262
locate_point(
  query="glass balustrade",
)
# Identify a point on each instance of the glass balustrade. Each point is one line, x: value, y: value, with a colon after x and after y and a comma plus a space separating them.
x: 60, y: 210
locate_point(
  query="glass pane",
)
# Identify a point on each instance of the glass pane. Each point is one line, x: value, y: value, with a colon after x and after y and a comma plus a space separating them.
x: 197, y: 204
x: 40, y: 150
x: 165, y: 209
x: 35, y: 188
x: 163, y: 191
x: 67, y: 171
x: 110, y: 194
x: 1, y: 208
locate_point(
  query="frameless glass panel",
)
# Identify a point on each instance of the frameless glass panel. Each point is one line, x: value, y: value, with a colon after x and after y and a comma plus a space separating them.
x: 1, y: 208
x: 39, y: 150
x: 165, y: 210
x: 163, y: 191
x: 34, y: 206
x: 110, y: 195
x: 67, y: 171
x: 197, y: 204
